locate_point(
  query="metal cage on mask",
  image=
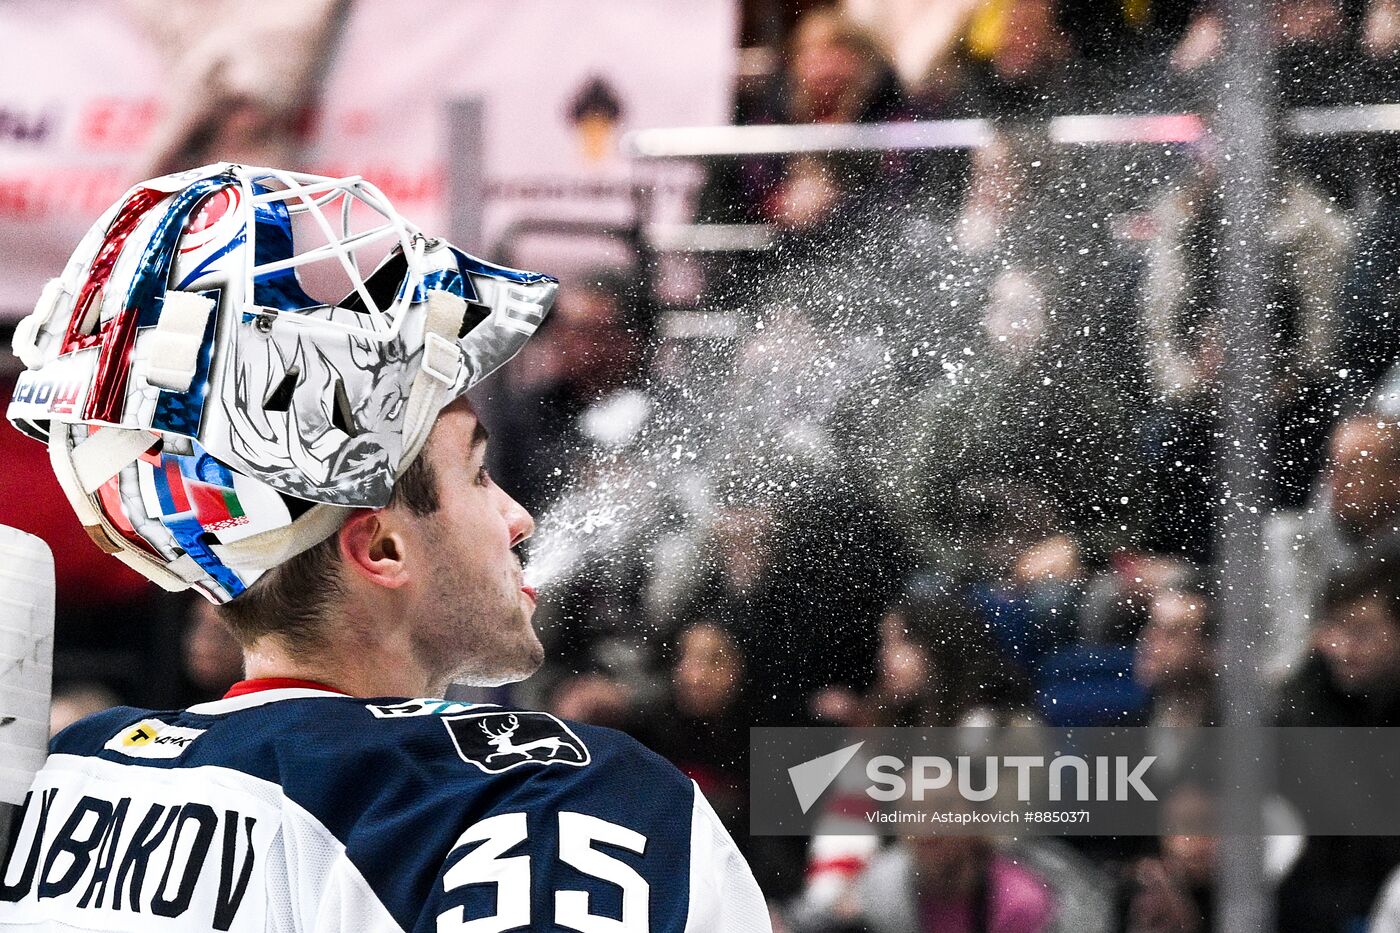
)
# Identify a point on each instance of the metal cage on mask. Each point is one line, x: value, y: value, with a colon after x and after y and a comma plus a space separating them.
x: 206, y: 417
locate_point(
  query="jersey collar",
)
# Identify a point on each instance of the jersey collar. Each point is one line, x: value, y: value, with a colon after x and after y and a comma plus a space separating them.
x: 258, y: 684
x: 247, y: 694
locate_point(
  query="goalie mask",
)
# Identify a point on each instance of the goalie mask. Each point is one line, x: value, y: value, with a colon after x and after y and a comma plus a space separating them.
x: 218, y: 381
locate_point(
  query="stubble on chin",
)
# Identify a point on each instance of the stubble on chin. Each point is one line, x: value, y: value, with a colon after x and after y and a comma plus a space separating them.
x: 531, y: 658
x: 507, y: 654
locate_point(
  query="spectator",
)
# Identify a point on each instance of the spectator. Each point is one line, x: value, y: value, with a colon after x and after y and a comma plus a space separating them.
x: 1184, y: 347
x: 1313, y: 39
x: 1117, y: 598
x: 1021, y: 282
x: 1174, y: 891
x: 773, y: 579
x: 1364, y: 483
x: 1352, y: 679
x: 701, y: 724
x: 1175, y: 660
x: 596, y: 698
x: 1352, y: 516
x: 838, y: 74
x: 1129, y: 35
x: 1021, y: 63
x: 703, y: 729
x: 1317, y: 52
x: 922, y: 40
x: 835, y: 73
x: 1033, y: 609
x: 1380, y: 31
x: 935, y: 667
x: 953, y: 883
x: 960, y: 883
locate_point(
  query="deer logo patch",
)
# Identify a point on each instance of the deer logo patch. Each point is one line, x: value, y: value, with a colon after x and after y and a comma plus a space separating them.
x: 497, y: 741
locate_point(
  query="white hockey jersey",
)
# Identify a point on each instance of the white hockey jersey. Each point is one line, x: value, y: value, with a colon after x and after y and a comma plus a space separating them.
x: 300, y: 810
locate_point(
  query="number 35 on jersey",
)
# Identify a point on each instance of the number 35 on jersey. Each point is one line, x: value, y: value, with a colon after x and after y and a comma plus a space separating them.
x: 495, y: 854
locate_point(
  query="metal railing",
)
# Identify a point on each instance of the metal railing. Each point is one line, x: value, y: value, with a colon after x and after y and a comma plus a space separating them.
x: 711, y: 142
x: 707, y: 143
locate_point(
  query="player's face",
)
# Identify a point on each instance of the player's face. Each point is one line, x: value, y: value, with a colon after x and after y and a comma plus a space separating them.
x: 477, y: 620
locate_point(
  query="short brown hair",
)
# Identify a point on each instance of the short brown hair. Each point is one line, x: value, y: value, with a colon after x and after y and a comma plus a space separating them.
x: 290, y: 600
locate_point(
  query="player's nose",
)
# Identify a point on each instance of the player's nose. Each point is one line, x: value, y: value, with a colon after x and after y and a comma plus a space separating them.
x: 520, y: 522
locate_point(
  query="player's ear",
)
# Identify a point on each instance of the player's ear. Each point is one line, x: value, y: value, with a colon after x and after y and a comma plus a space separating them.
x: 372, y: 547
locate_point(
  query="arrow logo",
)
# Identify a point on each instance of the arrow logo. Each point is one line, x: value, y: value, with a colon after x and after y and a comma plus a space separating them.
x: 811, y: 778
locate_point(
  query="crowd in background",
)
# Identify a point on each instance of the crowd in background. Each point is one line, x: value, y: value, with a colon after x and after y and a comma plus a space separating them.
x: 952, y: 457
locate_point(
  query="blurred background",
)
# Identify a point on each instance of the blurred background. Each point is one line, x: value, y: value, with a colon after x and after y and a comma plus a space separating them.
x: 917, y: 362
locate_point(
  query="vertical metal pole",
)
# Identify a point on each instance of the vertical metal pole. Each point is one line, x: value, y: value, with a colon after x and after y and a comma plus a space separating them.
x: 1246, y: 116
x: 464, y: 157
x: 464, y: 188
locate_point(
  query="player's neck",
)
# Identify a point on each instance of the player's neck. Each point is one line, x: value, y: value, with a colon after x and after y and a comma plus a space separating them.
x: 375, y: 666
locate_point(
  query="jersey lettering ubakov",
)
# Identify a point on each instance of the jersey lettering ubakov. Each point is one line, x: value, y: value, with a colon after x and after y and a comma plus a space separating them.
x: 183, y: 861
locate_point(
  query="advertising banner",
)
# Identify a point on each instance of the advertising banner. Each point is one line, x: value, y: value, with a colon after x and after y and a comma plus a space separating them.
x: 88, y: 89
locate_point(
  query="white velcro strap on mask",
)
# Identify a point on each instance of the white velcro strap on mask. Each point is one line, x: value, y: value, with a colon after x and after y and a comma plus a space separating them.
x: 26, y: 339
x: 442, y: 357
x: 61, y: 459
x: 103, y: 454
x: 426, y: 398
x: 173, y: 346
x: 255, y: 555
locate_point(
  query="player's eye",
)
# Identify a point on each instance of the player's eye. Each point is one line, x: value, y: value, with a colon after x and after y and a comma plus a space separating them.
x: 483, y: 478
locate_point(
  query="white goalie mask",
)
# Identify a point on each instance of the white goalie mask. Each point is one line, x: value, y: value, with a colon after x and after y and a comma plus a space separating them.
x: 207, y: 417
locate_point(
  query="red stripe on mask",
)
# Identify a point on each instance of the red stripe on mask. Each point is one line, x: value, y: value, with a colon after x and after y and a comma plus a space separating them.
x: 117, y: 336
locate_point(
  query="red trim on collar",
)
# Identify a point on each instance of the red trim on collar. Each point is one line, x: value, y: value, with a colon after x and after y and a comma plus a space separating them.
x: 275, y: 683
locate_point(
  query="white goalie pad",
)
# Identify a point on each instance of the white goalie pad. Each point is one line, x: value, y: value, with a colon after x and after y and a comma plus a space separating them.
x: 26, y: 659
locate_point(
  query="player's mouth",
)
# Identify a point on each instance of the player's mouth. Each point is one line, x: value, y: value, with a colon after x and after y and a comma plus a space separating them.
x: 530, y: 592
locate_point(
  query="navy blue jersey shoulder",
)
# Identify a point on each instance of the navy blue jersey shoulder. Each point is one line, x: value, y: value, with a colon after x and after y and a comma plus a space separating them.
x: 398, y: 781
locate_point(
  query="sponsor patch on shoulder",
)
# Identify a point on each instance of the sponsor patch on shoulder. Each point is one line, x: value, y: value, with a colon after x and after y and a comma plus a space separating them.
x: 151, y: 738
x: 424, y: 706
x: 496, y: 741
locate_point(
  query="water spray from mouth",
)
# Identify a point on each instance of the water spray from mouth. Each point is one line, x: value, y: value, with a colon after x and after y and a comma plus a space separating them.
x: 736, y: 420
x: 919, y: 354
x: 578, y: 524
